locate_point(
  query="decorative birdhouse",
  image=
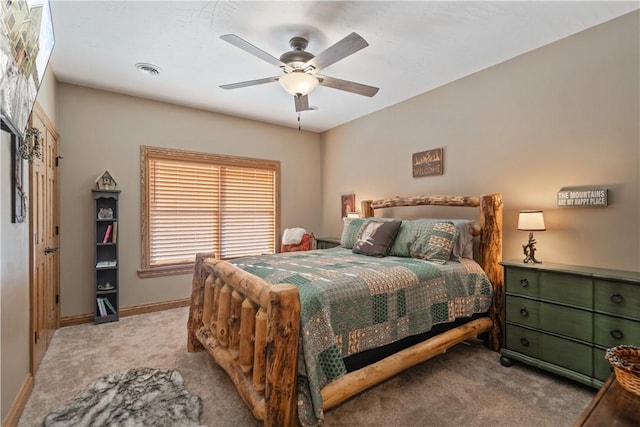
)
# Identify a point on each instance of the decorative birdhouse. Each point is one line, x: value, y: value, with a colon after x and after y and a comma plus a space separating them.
x: 106, y: 181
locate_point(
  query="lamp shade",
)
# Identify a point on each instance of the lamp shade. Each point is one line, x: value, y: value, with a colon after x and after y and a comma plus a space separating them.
x: 531, y: 221
x: 298, y: 83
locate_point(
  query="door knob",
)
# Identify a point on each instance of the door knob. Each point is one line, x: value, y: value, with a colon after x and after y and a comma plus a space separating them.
x: 49, y: 250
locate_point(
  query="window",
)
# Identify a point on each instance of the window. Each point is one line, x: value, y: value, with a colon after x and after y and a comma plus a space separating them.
x: 198, y: 202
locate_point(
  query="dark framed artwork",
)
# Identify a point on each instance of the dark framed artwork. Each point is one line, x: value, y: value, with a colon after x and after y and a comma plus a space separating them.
x: 18, y: 196
x: 426, y: 163
x: 348, y: 204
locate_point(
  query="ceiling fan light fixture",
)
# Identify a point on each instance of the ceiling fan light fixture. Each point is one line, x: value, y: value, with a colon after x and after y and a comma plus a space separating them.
x: 298, y: 83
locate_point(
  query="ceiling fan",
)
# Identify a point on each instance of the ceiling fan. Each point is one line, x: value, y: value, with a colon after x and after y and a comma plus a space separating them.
x: 300, y: 67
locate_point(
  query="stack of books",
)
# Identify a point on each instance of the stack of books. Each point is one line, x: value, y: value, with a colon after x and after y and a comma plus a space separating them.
x: 104, y: 264
x: 103, y: 305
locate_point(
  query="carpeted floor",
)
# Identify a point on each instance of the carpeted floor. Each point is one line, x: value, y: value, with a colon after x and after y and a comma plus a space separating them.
x: 466, y: 386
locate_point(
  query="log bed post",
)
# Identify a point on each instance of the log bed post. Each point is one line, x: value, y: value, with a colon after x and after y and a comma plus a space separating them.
x: 195, y: 321
x: 491, y: 254
x: 283, y: 325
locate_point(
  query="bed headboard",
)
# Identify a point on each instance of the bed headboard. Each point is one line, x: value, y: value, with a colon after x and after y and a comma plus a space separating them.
x: 490, y: 217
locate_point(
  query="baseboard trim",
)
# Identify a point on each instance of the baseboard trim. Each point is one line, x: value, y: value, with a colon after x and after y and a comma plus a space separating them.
x: 127, y: 311
x: 150, y: 308
x: 13, y: 416
x: 75, y: 320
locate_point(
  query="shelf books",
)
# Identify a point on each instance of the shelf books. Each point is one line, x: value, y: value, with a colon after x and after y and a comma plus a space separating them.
x: 109, y: 305
x: 114, y: 232
x: 103, y: 305
x: 101, y: 308
x: 104, y: 264
x: 107, y: 234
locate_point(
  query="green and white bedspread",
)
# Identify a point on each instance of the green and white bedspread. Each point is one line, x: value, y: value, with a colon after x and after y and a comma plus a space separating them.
x: 351, y: 303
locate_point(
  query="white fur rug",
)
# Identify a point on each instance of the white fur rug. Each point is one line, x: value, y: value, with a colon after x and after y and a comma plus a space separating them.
x: 137, y: 397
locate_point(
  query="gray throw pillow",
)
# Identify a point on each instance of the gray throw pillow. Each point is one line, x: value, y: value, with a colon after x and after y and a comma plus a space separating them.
x: 376, y: 237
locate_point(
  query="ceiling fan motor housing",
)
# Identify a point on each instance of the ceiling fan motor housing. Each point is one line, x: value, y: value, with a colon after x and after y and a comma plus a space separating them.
x: 296, y: 57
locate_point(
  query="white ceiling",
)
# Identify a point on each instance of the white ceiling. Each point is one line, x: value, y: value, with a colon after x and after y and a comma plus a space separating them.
x: 413, y: 47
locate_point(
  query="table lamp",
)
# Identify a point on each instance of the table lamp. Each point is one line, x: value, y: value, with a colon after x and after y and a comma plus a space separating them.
x: 530, y: 221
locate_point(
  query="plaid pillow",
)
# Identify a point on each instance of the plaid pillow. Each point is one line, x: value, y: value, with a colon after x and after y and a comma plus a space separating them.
x: 434, y: 241
x: 350, y: 231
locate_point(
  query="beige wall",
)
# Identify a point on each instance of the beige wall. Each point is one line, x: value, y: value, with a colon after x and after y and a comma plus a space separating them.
x: 101, y: 130
x: 14, y: 271
x: 14, y: 291
x: 563, y: 115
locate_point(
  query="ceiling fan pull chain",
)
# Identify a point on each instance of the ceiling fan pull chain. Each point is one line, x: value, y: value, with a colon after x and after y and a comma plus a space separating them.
x: 299, y: 129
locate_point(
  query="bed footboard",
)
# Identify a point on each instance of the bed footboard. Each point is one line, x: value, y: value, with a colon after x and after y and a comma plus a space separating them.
x: 250, y: 328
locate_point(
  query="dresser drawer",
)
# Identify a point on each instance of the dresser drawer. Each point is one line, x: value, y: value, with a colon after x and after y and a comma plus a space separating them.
x: 569, y: 354
x: 601, y: 366
x: 571, y: 322
x: 522, y: 282
x: 617, y: 298
x: 522, y: 310
x: 562, y: 318
x: 567, y: 288
x: 522, y: 340
x: 612, y: 331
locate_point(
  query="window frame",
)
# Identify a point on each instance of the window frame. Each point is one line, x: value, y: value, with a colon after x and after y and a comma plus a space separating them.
x: 147, y: 152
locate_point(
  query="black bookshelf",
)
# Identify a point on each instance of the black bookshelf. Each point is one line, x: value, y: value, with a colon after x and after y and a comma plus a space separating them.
x: 105, y: 285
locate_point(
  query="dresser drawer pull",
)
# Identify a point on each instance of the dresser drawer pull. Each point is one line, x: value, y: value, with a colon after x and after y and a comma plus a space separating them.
x: 524, y: 342
x: 616, y: 334
x: 524, y: 282
x: 616, y: 298
x: 524, y: 312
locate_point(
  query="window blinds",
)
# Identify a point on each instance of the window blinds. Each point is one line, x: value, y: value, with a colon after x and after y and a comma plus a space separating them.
x: 204, y: 207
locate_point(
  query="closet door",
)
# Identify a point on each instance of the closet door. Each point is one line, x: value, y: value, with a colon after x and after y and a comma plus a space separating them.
x: 45, y: 257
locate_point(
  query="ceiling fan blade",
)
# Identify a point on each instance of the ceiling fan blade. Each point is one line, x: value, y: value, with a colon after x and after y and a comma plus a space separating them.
x: 347, y: 86
x: 302, y: 103
x: 255, y: 51
x: 250, y: 83
x: 345, y: 47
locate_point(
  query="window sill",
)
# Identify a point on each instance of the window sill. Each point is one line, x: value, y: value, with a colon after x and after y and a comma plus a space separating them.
x: 173, y: 270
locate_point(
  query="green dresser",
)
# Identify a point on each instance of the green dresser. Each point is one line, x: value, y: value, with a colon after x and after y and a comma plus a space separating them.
x: 562, y: 318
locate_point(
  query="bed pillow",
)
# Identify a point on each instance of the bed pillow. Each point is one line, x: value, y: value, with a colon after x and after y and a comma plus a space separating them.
x: 376, y: 237
x: 464, y: 245
x: 434, y: 241
x: 462, y: 248
x: 350, y: 230
x: 403, y: 240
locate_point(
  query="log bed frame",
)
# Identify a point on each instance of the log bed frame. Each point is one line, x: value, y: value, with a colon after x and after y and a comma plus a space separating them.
x: 250, y: 327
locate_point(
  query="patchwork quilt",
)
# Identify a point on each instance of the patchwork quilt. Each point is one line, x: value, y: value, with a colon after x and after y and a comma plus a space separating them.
x: 351, y: 303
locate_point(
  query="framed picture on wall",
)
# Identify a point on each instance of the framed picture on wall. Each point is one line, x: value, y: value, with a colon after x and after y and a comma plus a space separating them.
x: 348, y: 204
x: 18, y: 196
x: 26, y: 43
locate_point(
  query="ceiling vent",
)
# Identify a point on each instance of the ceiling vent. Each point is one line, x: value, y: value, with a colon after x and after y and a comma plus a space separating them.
x: 150, y: 69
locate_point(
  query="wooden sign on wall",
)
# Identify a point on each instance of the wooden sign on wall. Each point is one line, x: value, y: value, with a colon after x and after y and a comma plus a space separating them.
x: 427, y: 163
x: 583, y: 197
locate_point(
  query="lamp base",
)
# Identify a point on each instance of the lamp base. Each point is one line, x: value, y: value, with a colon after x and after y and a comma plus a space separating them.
x: 532, y: 260
x: 529, y: 250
